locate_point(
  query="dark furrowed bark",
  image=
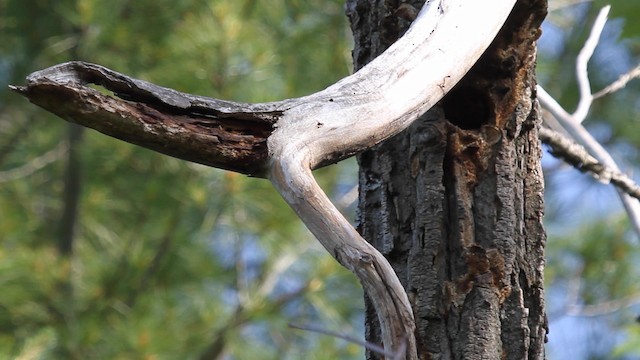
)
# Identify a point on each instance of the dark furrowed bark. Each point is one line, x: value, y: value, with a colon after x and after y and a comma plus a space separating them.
x: 455, y: 202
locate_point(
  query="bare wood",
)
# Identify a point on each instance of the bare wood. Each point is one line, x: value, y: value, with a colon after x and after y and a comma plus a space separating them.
x: 212, y: 132
x: 293, y: 178
x: 389, y: 93
x: 285, y: 140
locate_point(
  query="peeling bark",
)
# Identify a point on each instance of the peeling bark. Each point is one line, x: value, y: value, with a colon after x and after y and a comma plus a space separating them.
x: 221, y: 134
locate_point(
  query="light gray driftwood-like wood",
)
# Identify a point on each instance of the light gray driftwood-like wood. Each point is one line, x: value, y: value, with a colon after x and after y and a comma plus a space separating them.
x: 285, y: 140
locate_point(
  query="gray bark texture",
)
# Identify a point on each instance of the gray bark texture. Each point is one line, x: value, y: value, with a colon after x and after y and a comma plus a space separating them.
x: 456, y: 201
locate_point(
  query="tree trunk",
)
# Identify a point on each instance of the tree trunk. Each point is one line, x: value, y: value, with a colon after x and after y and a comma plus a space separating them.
x: 456, y: 201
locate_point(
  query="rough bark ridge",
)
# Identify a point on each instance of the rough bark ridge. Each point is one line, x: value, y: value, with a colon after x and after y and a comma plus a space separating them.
x: 455, y: 202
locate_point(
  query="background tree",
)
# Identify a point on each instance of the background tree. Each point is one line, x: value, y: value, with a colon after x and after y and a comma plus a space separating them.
x: 117, y: 258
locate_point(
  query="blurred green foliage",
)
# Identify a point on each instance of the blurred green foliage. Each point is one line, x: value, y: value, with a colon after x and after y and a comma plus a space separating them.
x: 170, y: 260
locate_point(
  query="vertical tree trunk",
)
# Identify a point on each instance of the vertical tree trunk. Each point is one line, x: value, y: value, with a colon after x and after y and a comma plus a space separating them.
x: 455, y: 202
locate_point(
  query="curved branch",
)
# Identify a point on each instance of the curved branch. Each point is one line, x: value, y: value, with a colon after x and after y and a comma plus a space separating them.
x: 285, y: 140
x: 363, y: 109
x: 390, y: 92
x: 350, y: 116
x: 292, y: 176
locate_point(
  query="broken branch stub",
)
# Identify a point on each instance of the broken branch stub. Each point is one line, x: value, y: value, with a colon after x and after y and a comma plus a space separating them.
x: 217, y: 133
x: 285, y: 140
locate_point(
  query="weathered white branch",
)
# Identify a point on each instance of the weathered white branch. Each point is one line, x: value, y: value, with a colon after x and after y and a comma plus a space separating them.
x: 389, y: 93
x: 582, y: 60
x: 619, y: 83
x: 292, y: 177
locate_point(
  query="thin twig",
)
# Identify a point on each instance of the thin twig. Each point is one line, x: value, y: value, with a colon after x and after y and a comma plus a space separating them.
x: 348, y: 198
x: 573, y: 308
x: 34, y: 165
x: 582, y: 60
x: 576, y: 155
x: 557, y: 5
x: 582, y: 136
x: 620, y: 83
x: 603, y: 308
x: 18, y: 135
x: 367, y: 345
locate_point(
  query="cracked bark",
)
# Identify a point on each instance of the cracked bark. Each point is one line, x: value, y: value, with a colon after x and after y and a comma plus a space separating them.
x: 455, y: 201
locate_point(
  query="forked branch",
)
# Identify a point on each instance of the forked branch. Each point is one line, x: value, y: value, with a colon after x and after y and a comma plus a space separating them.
x: 285, y: 140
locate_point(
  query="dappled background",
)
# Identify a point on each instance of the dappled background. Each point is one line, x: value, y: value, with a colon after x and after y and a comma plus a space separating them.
x: 111, y: 251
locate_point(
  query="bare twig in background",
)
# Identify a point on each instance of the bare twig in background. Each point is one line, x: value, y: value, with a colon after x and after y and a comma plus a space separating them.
x: 582, y: 136
x: 572, y: 123
x: 559, y: 4
x: 18, y: 134
x: 282, y: 264
x: 582, y: 74
x: 619, y: 84
x: 603, y: 308
x: 367, y: 345
x: 348, y: 198
x: 576, y: 155
x: 574, y: 307
x: 218, y: 346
